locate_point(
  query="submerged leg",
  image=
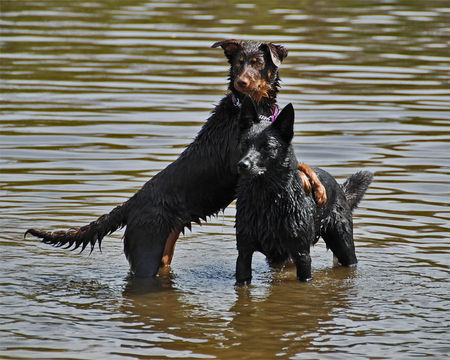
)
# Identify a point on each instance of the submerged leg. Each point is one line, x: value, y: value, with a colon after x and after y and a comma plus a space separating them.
x: 303, y: 262
x: 144, y: 249
x: 244, y: 267
x: 339, y: 239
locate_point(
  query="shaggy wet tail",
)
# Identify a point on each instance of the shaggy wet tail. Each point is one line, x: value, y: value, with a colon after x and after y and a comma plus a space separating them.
x: 88, y: 234
x: 355, y: 187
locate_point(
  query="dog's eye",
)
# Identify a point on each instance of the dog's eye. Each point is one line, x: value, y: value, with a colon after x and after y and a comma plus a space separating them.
x: 270, y: 148
x: 241, y: 60
x: 256, y: 61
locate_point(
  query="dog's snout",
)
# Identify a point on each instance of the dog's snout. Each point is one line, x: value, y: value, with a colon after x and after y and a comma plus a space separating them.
x: 244, y: 164
x: 242, y: 82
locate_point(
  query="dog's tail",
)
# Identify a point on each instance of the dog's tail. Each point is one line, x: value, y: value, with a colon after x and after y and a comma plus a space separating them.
x: 355, y: 186
x: 88, y: 234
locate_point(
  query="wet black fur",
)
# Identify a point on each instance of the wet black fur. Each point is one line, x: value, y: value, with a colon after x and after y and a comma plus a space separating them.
x: 274, y: 216
x: 200, y: 183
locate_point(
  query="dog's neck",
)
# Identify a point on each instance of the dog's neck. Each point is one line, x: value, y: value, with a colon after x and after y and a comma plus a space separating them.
x: 237, y: 103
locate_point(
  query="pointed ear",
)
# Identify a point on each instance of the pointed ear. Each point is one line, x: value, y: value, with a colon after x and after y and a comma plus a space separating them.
x: 230, y: 47
x: 249, y: 115
x: 277, y: 53
x: 284, y: 123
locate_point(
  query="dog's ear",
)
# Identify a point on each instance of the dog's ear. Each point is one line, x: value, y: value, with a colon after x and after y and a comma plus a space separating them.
x: 230, y: 47
x: 249, y: 115
x: 277, y: 53
x: 284, y: 123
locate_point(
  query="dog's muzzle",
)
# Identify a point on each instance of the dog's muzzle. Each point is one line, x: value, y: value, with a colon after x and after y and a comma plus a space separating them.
x: 249, y: 168
x: 244, y: 165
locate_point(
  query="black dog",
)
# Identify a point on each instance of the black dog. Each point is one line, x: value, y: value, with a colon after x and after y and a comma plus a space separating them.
x: 274, y: 215
x: 201, y: 182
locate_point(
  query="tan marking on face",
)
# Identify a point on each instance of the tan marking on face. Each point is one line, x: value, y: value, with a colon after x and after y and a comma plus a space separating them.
x: 260, y: 91
x: 250, y: 82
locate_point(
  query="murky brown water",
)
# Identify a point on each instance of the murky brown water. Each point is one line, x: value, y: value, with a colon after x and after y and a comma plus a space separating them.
x: 98, y: 96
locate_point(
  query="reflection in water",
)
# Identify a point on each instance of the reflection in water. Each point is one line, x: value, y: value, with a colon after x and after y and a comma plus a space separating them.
x: 290, y: 315
x: 282, y: 317
x: 157, y: 309
x: 102, y: 95
x: 142, y: 286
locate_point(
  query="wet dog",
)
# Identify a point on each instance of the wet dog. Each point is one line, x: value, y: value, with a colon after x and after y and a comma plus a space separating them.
x: 274, y: 215
x: 202, y: 181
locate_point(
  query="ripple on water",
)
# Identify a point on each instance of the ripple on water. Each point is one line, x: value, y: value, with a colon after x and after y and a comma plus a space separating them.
x: 102, y: 95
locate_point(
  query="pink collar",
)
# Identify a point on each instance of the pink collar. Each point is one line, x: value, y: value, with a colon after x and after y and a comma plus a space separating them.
x: 237, y: 103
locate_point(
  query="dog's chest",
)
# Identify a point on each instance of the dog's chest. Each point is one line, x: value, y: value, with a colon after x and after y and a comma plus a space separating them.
x: 274, y: 218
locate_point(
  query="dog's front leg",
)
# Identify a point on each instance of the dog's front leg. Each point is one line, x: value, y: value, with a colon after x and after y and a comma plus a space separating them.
x: 311, y: 180
x: 302, y: 260
x: 244, y: 267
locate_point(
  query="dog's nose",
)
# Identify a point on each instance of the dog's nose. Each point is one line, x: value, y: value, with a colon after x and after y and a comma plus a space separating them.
x: 244, y: 165
x: 243, y: 83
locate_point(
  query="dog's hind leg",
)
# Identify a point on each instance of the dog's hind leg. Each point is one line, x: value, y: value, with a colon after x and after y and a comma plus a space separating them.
x: 338, y: 236
x: 144, y: 249
x: 170, y: 247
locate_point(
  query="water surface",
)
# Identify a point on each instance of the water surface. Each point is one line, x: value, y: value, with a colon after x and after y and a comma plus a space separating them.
x: 99, y: 96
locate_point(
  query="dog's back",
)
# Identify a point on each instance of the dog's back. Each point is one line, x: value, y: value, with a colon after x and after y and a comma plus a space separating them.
x: 349, y: 194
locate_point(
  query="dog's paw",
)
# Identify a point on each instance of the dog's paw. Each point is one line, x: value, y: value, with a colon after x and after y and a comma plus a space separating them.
x: 243, y: 282
x: 305, y: 182
x: 320, y: 194
x: 311, y: 180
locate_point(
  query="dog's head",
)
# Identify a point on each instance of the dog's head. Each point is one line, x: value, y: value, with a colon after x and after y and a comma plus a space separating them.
x: 254, y: 66
x: 264, y: 145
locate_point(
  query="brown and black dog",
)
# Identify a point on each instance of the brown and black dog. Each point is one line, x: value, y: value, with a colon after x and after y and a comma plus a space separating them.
x: 202, y: 181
